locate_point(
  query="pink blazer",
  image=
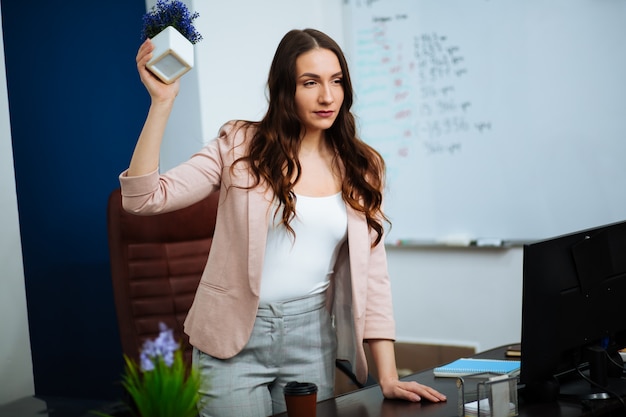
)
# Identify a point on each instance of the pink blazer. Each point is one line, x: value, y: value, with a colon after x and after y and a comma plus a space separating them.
x: 221, y: 318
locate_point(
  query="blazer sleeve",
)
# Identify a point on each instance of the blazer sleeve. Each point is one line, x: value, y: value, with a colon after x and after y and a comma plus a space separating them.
x: 187, y: 183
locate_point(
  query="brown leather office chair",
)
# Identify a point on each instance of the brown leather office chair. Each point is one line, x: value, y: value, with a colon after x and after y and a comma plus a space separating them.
x: 156, y: 265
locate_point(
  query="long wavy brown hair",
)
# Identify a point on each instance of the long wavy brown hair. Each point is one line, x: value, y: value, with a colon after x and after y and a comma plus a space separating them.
x: 273, y: 150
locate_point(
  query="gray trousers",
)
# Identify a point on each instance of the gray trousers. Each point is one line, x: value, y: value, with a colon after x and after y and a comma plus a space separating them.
x: 291, y: 341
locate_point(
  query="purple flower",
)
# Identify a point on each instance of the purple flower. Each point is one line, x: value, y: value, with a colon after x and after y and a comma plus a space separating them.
x: 170, y: 13
x: 163, y: 347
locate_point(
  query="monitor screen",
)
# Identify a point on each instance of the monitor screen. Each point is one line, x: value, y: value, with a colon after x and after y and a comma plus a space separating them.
x: 573, y: 315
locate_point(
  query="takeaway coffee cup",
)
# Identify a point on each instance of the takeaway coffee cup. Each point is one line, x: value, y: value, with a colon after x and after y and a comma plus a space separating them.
x: 301, y: 399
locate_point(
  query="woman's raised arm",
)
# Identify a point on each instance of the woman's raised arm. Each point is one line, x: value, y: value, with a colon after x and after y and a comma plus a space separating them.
x: 145, y: 158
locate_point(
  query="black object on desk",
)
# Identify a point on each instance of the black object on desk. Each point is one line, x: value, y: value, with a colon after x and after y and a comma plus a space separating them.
x: 574, y: 287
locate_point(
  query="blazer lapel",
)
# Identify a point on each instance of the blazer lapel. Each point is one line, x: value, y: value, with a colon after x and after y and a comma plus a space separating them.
x: 259, y: 207
x: 359, y: 246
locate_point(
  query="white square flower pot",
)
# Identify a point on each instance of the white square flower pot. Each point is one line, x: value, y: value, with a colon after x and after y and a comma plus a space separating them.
x: 172, y: 56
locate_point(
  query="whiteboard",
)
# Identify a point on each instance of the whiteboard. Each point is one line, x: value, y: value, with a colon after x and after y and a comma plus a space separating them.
x: 497, y: 118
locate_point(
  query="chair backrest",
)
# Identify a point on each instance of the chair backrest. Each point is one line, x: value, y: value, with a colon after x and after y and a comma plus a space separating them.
x: 156, y: 265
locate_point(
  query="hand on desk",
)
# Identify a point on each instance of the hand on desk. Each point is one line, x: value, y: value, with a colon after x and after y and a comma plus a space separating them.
x: 384, y: 357
x: 410, y: 390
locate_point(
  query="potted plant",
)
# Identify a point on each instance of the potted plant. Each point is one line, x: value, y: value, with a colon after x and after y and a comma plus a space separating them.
x: 169, y: 25
x: 160, y: 385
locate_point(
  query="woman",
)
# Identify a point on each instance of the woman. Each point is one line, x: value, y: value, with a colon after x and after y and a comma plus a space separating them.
x: 297, y: 273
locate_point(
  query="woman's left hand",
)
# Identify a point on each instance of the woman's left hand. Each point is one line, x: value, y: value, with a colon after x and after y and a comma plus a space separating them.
x: 385, y: 360
x: 410, y: 391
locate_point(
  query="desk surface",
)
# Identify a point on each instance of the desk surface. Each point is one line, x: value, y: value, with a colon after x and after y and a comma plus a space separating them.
x: 369, y: 402
x: 366, y: 402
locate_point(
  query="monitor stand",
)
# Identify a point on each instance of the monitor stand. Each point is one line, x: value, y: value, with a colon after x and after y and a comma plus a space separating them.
x: 580, y: 390
x: 602, y: 381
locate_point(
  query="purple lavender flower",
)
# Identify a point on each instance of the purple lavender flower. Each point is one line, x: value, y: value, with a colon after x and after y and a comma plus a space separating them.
x: 163, y: 346
x: 170, y: 13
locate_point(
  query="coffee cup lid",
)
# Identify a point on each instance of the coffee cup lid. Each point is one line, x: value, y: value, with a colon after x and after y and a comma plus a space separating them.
x: 300, y: 388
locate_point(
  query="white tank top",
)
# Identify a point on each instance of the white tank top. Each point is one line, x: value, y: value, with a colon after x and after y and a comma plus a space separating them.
x: 296, y: 268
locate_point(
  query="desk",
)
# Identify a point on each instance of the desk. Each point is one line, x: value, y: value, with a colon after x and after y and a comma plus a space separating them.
x: 369, y: 402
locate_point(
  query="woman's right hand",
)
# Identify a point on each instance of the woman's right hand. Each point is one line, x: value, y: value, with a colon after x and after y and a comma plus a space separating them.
x: 158, y: 90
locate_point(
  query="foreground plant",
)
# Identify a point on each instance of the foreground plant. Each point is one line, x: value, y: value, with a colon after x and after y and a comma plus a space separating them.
x: 160, y: 385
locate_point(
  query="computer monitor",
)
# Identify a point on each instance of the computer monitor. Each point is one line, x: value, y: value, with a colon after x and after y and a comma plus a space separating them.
x: 574, y: 314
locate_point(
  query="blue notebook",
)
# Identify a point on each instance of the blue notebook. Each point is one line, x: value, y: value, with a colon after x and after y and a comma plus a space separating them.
x: 468, y: 366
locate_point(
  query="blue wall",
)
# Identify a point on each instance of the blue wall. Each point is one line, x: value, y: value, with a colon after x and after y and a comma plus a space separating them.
x: 76, y: 106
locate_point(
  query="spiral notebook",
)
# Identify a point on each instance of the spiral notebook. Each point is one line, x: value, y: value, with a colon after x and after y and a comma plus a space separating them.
x: 468, y: 366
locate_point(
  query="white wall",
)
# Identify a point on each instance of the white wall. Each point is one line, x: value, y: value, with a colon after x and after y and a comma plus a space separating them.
x: 16, y: 366
x: 457, y: 296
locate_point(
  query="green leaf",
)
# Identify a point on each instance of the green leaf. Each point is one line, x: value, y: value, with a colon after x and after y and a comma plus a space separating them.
x: 165, y: 391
